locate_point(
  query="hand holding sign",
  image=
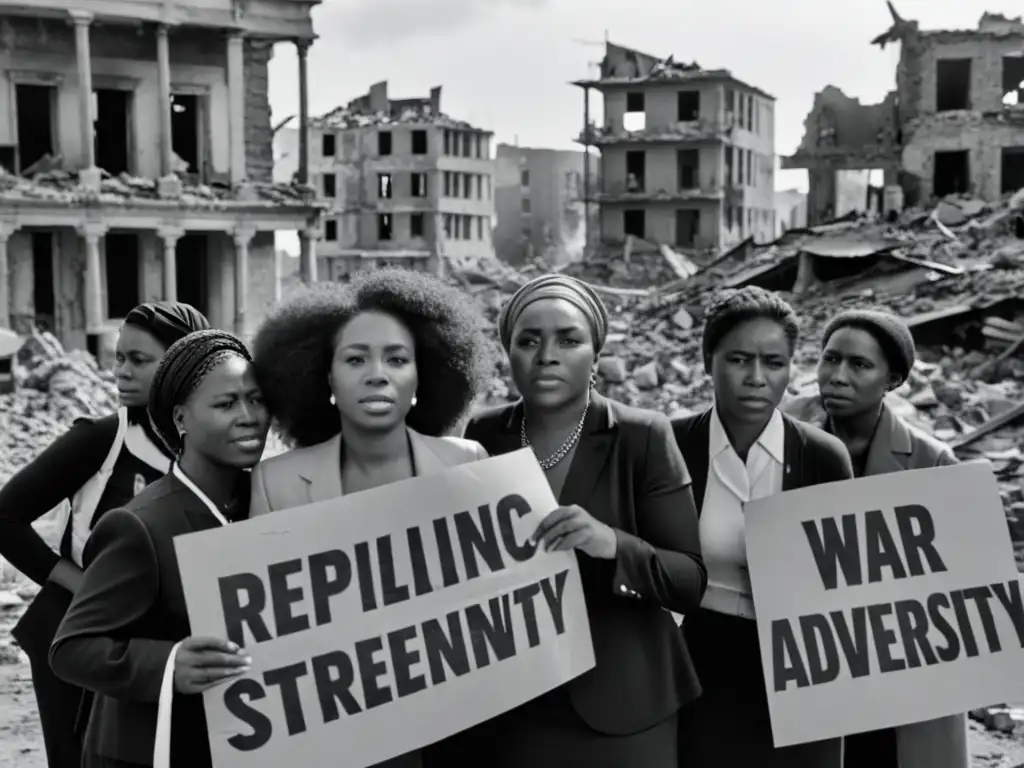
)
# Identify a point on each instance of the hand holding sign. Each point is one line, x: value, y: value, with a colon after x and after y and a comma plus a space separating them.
x: 203, y: 662
x: 573, y: 527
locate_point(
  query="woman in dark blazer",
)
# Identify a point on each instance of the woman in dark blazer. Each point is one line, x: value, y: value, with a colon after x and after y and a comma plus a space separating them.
x: 627, y: 510
x: 866, y: 354
x: 743, y: 448
x: 97, y: 465
x: 126, y: 636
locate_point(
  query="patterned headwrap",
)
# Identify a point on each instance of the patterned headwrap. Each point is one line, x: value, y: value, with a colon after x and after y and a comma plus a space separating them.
x: 167, y: 321
x: 576, y: 292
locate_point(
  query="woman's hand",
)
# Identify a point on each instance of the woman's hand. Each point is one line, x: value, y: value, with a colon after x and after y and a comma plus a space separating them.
x: 574, y: 528
x: 203, y: 662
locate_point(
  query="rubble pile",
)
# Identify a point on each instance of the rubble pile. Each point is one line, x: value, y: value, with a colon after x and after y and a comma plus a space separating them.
x: 54, y: 387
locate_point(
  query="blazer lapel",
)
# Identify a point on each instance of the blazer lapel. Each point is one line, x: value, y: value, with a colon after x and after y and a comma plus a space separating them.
x: 890, y: 445
x: 323, y: 473
x: 199, y: 517
x: 591, y: 455
x: 425, y: 459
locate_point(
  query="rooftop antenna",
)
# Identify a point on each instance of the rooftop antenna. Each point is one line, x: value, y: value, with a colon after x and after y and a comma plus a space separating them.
x: 601, y: 43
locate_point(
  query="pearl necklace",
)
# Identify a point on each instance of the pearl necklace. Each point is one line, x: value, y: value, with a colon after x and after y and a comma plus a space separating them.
x: 552, y: 460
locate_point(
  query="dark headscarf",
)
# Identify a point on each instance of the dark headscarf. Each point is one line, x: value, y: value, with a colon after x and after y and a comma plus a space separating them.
x: 181, y: 370
x: 576, y: 292
x: 167, y: 321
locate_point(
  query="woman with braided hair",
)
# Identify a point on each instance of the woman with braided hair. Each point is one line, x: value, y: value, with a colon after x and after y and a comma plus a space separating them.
x: 126, y: 636
x: 97, y: 465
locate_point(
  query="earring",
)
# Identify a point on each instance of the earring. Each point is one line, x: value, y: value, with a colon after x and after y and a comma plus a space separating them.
x: 181, y: 443
x: 593, y: 379
x: 413, y: 401
x: 333, y: 401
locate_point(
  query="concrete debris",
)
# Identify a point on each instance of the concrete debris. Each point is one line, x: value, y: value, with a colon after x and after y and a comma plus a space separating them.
x: 62, y: 188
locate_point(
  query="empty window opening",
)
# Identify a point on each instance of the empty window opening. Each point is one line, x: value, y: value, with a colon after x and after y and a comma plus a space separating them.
x: 477, y: 146
x: 331, y: 230
x: 384, y: 143
x: 384, y: 191
x: 456, y: 184
x: 186, y: 123
x: 467, y: 227
x: 524, y: 178
x: 951, y: 173
x: 122, y: 268
x: 634, y: 223
x: 467, y: 185
x: 526, y: 205
x: 418, y: 185
x: 9, y: 158
x: 330, y: 185
x: 952, y: 84
x: 730, y: 105
x: 416, y: 225
x: 43, y: 300
x: 740, y: 177
x: 467, y: 145
x: 729, y: 171
x: 448, y: 226
x: 740, y: 218
x: 419, y: 142
x: 479, y: 186
x: 193, y: 284
x: 635, y: 117
x: 479, y: 227
x: 112, y: 129
x: 1013, y: 80
x: 688, y: 107
x: 327, y: 147
x: 1012, y: 169
x: 687, y: 227
x: 636, y: 167
x: 383, y: 226
x: 750, y: 168
x: 35, y: 105
x: 689, y: 168
x: 447, y: 183
x: 447, y: 142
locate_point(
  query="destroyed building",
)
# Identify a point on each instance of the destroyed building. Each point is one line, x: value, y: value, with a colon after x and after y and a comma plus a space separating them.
x: 135, y: 145
x: 539, y: 196
x: 687, y: 154
x: 954, y: 124
x: 406, y: 184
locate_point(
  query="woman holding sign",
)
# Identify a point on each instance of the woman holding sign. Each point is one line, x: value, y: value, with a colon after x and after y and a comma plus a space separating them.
x: 743, y: 448
x: 365, y: 379
x: 126, y: 635
x: 97, y: 465
x: 627, y: 511
x: 865, y: 355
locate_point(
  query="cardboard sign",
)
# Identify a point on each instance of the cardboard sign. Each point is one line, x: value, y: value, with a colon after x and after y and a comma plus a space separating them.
x: 386, y: 620
x: 885, y: 601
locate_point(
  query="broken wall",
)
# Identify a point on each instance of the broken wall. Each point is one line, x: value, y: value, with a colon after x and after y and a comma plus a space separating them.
x: 661, y: 106
x: 41, y: 51
x: 660, y: 222
x: 842, y: 133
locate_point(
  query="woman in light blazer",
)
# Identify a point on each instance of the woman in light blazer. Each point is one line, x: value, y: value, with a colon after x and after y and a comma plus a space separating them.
x: 364, y: 379
x: 866, y: 354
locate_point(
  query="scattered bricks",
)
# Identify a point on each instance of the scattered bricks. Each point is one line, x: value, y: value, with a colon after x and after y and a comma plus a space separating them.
x: 646, y: 376
x: 999, y: 719
x: 683, y: 319
x: 612, y: 369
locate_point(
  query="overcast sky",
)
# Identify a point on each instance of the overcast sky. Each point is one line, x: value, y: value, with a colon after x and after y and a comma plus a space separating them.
x: 505, y: 64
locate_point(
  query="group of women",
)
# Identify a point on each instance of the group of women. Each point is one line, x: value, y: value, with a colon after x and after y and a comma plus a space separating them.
x: 368, y: 381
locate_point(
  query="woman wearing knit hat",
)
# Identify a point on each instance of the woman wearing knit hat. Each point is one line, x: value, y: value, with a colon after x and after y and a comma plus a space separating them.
x: 627, y: 511
x: 866, y: 354
x: 744, y: 448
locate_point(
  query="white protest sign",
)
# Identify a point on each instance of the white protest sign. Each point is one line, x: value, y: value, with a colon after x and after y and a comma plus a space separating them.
x: 885, y: 601
x: 386, y: 620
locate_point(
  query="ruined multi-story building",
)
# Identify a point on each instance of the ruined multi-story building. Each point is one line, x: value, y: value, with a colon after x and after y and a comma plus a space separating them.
x: 540, y: 198
x: 135, y: 143
x: 954, y: 124
x: 687, y: 154
x: 406, y: 184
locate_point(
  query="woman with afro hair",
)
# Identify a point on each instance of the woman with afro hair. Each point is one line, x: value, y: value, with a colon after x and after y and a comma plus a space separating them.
x: 364, y: 380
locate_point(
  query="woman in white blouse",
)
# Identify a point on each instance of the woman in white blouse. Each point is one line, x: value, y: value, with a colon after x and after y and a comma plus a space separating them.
x: 744, y: 448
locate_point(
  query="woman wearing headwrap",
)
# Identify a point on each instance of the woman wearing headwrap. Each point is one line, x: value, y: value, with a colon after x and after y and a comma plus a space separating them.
x: 97, y: 465
x: 627, y: 510
x: 126, y: 636
x: 866, y: 354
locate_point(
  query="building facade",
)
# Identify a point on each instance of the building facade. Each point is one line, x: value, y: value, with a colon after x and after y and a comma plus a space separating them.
x: 954, y: 124
x: 135, y: 146
x: 541, y: 205
x: 405, y: 184
x: 687, y: 154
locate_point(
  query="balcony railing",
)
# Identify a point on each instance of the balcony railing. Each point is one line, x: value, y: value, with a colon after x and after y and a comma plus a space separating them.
x: 638, y: 190
x: 694, y: 130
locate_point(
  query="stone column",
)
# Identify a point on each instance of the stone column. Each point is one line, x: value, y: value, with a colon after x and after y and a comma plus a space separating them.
x: 92, y: 287
x: 169, y: 238
x: 242, y: 238
x: 170, y: 185
x: 89, y: 175
x: 5, y: 278
x: 303, y: 49
x: 307, y: 257
x: 236, y: 105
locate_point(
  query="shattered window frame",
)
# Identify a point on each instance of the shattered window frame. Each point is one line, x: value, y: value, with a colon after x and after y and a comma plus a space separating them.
x: 634, y: 219
x: 419, y: 142
x: 385, y: 227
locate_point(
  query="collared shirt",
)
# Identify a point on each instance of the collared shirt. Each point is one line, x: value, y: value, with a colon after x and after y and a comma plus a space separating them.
x: 732, y: 483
